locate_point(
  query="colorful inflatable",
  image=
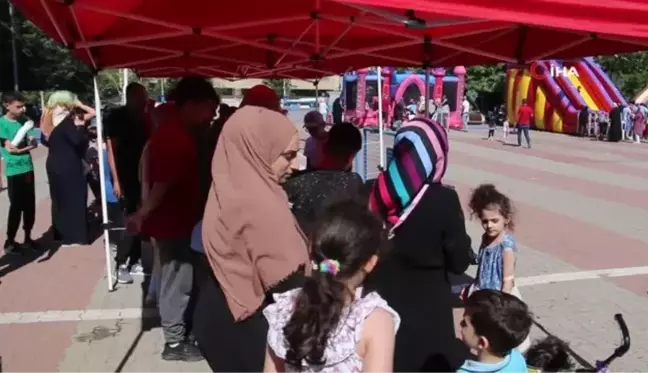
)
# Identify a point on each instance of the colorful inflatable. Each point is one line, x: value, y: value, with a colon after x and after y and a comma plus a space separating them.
x: 361, y: 86
x: 558, y: 91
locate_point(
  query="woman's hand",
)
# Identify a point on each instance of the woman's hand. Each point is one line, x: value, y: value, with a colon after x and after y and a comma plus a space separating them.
x: 90, y: 112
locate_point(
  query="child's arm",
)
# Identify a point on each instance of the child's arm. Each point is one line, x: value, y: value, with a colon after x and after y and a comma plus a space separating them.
x: 508, y: 271
x: 13, y: 150
x: 272, y: 362
x: 378, y: 336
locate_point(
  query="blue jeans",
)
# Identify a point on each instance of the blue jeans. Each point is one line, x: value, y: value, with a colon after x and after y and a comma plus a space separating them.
x: 523, y: 129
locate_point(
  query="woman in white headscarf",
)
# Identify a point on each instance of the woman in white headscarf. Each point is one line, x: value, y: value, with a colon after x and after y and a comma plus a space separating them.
x: 63, y: 125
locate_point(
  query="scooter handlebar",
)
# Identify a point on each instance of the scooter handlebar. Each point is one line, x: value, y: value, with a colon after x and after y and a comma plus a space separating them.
x: 625, y: 345
x: 601, y: 366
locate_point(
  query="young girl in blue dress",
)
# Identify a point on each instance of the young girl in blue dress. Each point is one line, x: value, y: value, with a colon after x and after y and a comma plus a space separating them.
x: 498, y: 248
x: 496, y: 255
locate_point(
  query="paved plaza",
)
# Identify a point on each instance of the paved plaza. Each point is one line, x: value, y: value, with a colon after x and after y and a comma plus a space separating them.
x: 582, y: 225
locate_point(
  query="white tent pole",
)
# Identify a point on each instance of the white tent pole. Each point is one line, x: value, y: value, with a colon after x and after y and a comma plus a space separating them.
x: 102, y: 181
x: 427, y: 92
x: 124, y: 85
x: 381, y: 137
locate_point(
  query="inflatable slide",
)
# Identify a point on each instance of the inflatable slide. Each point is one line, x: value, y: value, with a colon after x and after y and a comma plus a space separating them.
x: 558, y: 91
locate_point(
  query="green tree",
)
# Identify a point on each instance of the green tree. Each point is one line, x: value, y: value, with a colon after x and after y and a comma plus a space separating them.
x: 627, y: 71
x: 485, y: 85
x: 490, y: 78
x: 43, y: 64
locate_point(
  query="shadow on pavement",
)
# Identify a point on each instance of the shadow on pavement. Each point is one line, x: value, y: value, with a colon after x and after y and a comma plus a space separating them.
x: 45, y: 246
x: 150, y: 318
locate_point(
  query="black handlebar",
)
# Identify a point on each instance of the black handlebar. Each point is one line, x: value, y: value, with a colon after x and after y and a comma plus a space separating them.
x: 625, y: 344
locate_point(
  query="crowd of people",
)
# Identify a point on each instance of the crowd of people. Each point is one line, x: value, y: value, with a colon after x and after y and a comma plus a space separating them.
x: 438, y: 110
x: 260, y: 266
x: 634, y: 119
x: 622, y: 123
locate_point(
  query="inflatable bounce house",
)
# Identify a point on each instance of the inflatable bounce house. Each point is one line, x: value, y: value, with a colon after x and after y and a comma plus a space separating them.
x: 559, y: 91
x: 361, y: 86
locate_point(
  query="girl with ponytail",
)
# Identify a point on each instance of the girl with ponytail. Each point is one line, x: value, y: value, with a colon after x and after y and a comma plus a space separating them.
x: 328, y: 325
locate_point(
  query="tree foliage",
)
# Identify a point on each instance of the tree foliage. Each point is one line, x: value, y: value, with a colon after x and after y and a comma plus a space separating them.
x: 489, y: 78
x: 627, y: 71
x: 44, y: 65
x: 485, y: 85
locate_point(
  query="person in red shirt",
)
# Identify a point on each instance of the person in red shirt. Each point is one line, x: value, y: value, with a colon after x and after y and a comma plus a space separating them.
x: 175, y: 204
x: 524, y: 116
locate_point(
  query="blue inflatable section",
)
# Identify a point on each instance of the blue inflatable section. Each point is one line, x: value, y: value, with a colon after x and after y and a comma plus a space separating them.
x: 397, y: 79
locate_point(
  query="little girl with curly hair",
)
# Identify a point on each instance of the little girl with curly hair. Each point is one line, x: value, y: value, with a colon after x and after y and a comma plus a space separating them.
x: 496, y: 257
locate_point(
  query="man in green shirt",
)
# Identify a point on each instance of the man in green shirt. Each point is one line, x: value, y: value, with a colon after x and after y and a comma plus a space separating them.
x: 20, y: 173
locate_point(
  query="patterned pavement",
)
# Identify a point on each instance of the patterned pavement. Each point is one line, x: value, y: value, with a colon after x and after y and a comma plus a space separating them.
x: 582, y: 212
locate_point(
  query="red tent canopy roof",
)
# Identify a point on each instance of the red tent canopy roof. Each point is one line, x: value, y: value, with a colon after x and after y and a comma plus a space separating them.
x: 314, y: 38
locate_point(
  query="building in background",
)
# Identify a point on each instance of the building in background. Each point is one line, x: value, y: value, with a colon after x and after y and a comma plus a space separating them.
x: 294, y: 87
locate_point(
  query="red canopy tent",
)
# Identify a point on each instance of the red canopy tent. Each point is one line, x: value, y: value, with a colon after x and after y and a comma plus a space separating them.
x: 315, y: 38
x: 310, y: 39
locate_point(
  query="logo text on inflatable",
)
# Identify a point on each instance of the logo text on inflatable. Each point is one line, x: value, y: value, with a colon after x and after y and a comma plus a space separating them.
x: 538, y: 71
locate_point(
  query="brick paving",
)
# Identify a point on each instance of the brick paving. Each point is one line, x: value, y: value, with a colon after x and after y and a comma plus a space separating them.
x: 582, y: 206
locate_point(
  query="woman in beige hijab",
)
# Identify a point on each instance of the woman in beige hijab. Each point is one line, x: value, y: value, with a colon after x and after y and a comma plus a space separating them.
x: 253, y: 245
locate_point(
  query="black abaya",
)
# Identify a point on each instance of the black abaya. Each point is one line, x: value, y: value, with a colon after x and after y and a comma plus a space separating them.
x: 68, y: 144
x: 413, y: 278
x: 616, y: 128
x: 228, y: 345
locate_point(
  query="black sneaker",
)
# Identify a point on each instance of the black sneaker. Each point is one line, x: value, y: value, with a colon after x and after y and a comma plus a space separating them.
x: 30, y: 244
x: 183, y: 351
x: 11, y: 248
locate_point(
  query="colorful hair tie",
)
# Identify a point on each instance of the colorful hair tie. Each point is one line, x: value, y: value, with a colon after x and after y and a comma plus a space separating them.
x: 331, y: 266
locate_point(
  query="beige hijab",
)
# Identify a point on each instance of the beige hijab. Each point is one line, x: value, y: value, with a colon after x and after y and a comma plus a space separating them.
x: 250, y: 235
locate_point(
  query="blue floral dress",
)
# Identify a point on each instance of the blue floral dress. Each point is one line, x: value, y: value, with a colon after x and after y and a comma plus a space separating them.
x: 490, y: 274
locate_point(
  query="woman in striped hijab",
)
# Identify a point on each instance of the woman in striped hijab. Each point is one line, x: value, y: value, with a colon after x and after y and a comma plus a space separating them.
x: 429, y: 240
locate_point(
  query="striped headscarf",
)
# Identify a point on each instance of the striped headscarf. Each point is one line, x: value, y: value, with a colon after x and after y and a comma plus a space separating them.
x: 420, y: 156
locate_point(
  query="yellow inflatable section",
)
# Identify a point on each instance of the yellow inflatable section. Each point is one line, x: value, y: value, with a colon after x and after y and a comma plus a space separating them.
x: 539, y: 109
x: 539, y: 113
x: 510, y: 94
x: 516, y: 92
x: 583, y: 91
x: 556, y: 122
x: 522, y: 88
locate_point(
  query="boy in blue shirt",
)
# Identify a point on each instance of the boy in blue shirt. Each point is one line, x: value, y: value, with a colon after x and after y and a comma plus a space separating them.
x: 493, y: 325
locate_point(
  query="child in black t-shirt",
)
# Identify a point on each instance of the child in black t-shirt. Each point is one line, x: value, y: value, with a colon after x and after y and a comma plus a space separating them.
x: 491, y: 118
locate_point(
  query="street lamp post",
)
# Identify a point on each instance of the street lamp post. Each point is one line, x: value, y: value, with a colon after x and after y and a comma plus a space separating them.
x: 14, y: 56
